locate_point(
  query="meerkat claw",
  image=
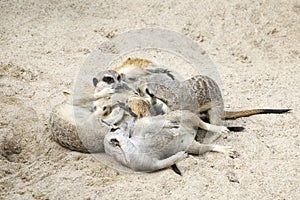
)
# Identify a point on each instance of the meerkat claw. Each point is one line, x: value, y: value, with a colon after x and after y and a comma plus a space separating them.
x: 228, y: 150
x: 104, y: 93
x: 182, y: 155
x: 224, y: 129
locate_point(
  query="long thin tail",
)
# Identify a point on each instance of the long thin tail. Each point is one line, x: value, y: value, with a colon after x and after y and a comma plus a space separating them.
x: 246, y: 113
x: 176, y: 170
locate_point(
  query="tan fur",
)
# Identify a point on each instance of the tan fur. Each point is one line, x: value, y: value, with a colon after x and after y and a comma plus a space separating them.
x: 137, y: 62
x: 77, y: 128
x: 139, y: 106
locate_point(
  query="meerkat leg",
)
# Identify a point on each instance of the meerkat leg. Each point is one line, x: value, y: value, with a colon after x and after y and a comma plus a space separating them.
x: 212, y: 127
x: 104, y: 93
x: 115, y: 116
x: 199, y: 149
x: 168, y: 162
x: 215, y: 119
x: 215, y: 115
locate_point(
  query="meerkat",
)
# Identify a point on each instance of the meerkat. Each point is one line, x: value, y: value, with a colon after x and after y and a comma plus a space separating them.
x: 77, y: 128
x: 202, y: 86
x: 137, y: 74
x: 135, y: 71
x: 158, y: 142
x: 134, y: 68
x: 199, y: 94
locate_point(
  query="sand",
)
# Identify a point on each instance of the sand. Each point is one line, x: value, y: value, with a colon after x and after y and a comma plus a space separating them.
x: 254, y: 46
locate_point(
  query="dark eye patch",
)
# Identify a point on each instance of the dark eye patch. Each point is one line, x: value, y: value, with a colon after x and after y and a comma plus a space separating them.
x: 108, y: 79
x: 150, y: 94
x: 114, y: 142
x: 119, y: 78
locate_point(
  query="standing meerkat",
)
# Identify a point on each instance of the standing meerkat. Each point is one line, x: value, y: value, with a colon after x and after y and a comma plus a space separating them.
x: 158, y: 142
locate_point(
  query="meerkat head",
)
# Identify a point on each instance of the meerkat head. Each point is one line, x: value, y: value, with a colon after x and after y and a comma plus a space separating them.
x: 109, y: 82
x: 102, y: 108
x: 107, y: 78
x: 115, y: 144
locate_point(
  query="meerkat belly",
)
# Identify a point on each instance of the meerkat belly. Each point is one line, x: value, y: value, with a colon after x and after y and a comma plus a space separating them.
x: 164, y: 143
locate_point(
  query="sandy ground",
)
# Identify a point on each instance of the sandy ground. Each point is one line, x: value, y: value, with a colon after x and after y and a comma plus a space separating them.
x: 255, y: 47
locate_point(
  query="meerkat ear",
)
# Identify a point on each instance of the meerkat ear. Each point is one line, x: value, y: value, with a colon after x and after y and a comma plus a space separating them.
x: 123, y: 76
x: 95, y: 82
x: 114, y: 142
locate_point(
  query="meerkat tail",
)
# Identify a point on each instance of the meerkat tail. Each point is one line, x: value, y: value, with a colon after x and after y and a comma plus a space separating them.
x: 235, y: 128
x: 246, y: 113
x: 176, y: 170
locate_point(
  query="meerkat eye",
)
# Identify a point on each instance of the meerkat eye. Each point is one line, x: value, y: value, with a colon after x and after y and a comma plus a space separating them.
x: 104, y: 108
x: 114, y: 142
x: 108, y: 79
x: 150, y: 94
x: 94, y: 108
x: 114, y: 129
x: 95, y: 82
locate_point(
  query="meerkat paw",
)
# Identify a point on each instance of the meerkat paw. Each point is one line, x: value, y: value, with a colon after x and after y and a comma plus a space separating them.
x: 181, y: 155
x: 223, y: 129
x: 104, y: 93
x: 217, y: 129
x: 228, y: 150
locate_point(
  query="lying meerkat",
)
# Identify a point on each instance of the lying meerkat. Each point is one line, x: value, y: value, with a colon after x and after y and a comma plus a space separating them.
x: 77, y: 128
x: 80, y: 128
x: 141, y: 74
x: 135, y: 68
x: 199, y: 94
x: 158, y: 142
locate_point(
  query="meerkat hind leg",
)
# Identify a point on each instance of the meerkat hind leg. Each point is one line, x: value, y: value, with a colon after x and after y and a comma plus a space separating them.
x: 215, y: 120
x: 216, y: 130
x: 199, y: 149
x: 212, y: 127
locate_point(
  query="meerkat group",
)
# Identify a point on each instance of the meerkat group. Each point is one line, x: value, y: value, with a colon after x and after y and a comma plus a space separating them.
x: 151, y: 119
